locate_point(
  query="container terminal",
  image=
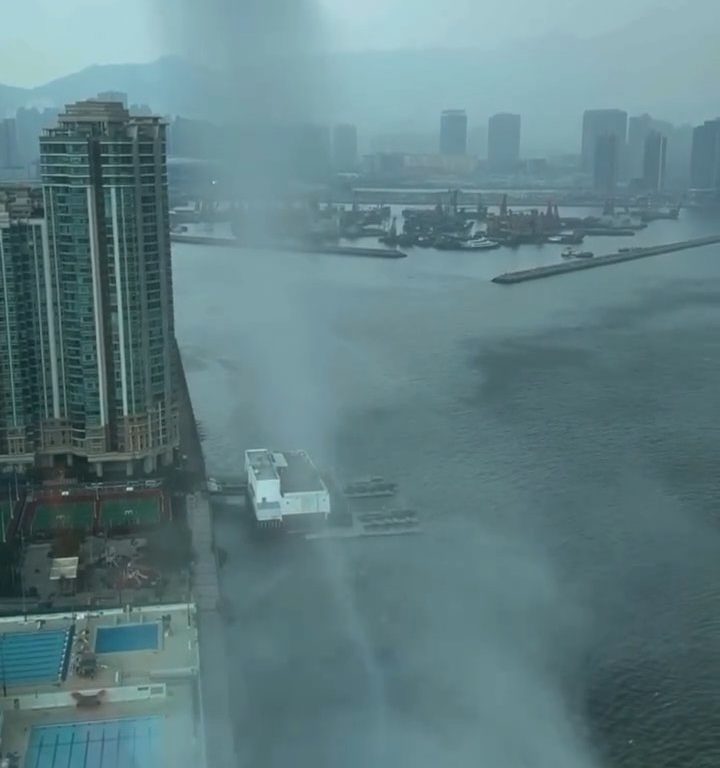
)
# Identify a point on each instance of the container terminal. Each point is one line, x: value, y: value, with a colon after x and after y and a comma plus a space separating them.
x: 562, y: 268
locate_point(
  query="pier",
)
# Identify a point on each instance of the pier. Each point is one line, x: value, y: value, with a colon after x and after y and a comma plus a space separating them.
x: 576, y: 265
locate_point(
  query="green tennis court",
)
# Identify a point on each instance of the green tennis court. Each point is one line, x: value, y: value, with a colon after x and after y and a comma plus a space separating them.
x: 130, y: 512
x: 69, y: 515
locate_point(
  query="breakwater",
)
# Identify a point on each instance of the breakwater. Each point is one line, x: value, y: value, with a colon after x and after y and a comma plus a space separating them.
x: 577, y: 265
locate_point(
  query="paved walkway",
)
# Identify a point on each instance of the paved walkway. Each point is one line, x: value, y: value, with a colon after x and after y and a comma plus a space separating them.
x: 215, y: 695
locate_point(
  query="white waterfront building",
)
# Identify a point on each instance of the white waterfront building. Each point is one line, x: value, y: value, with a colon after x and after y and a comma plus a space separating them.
x: 283, y: 485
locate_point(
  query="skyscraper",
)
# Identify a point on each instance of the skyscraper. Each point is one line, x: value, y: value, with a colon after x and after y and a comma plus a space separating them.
x: 654, y: 161
x: 8, y: 143
x: 605, y: 166
x: 453, y: 132
x: 27, y: 368
x: 345, y: 147
x: 97, y: 281
x: 639, y: 127
x: 705, y: 157
x: 503, y: 142
x: 602, y: 122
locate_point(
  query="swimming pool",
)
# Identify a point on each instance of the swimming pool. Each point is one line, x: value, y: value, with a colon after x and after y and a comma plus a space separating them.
x: 125, y: 743
x: 128, y: 637
x: 28, y: 658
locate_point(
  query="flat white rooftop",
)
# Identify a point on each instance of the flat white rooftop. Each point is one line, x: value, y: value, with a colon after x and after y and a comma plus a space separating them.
x: 299, y: 475
x: 261, y: 463
x: 294, y: 469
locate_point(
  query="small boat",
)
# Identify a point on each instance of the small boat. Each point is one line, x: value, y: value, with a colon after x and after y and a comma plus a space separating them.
x: 369, y: 487
x: 572, y: 253
x: 479, y: 244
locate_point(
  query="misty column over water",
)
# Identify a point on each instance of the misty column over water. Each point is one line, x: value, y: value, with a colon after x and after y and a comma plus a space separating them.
x: 518, y: 424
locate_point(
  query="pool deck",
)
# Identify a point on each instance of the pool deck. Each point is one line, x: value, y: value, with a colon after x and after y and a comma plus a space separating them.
x: 132, y: 684
x: 181, y: 745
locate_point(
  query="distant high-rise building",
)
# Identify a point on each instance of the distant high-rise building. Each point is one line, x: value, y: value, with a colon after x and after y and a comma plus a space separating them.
x: 503, y: 142
x: 603, y: 122
x: 605, y: 165
x: 119, y: 96
x: 345, y: 147
x: 639, y: 127
x: 453, y: 132
x: 29, y: 124
x: 106, y: 330
x: 705, y: 158
x: 8, y: 143
x: 654, y: 161
x: 679, y: 151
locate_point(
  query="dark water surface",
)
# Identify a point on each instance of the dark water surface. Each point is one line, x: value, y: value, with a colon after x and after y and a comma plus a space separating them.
x: 560, y: 440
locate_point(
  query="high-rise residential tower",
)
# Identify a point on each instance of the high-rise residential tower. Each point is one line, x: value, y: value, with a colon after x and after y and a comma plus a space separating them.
x: 27, y: 369
x: 99, y: 284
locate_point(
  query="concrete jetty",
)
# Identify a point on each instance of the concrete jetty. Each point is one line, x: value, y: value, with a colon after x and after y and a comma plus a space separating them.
x: 576, y: 265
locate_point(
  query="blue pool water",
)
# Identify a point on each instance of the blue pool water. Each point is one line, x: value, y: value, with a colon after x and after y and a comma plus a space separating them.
x: 28, y: 658
x: 126, y: 743
x: 128, y: 637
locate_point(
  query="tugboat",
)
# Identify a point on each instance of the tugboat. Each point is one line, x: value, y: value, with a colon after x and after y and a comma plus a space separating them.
x: 369, y: 487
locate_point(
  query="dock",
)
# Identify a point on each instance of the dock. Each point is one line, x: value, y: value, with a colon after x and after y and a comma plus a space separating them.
x: 386, y: 522
x: 576, y: 265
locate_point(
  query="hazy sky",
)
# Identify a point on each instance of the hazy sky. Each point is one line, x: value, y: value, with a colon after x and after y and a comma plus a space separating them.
x: 43, y: 39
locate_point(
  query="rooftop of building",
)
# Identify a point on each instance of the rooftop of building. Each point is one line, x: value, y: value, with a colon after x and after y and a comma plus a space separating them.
x: 109, y: 119
x: 93, y: 110
x: 294, y: 469
x: 20, y: 201
x: 103, y: 688
x: 299, y: 475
